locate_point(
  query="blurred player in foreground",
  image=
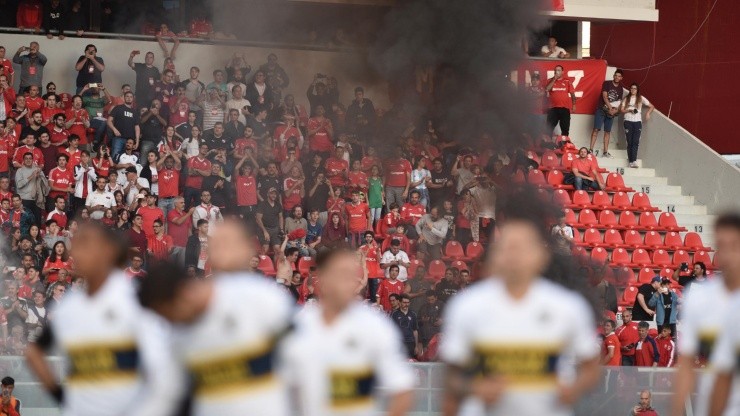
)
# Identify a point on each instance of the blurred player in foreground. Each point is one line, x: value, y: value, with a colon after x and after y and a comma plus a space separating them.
x: 705, y: 309
x: 509, y: 340
x: 725, y: 397
x: 118, y: 354
x: 341, y: 350
x: 226, y: 328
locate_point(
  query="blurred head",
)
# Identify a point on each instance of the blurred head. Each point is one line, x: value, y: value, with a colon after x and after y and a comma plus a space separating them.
x: 645, y: 397
x: 609, y: 326
x: 230, y: 247
x: 727, y: 238
x: 97, y: 250
x: 339, y: 276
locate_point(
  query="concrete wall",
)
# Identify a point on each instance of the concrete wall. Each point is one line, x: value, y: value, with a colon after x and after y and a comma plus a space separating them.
x: 349, y: 68
x: 621, y: 10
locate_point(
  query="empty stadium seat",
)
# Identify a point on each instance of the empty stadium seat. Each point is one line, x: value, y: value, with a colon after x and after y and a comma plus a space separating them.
x: 587, y: 219
x: 629, y: 296
x: 667, y: 221
x: 646, y: 275
x: 681, y: 256
x: 415, y: 263
x: 653, y: 240
x: 620, y: 257
x: 627, y: 220
x: 567, y: 160
x: 621, y: 201
x: 702, y: 256
x: 561, y: 197
x: 304, y: 264
x: 577, y: 236
x: 693, y: 242
x: 549, y: 161
x: 453, y: 251
x: 579, y: 252
x: 266, y: 266
x: 436, y: 270
x: 661, y: 258
x: 599, y: 255
x: 633, y: 239
x: 473, y: 251
x: 624, y: 276
x: 555, y: 178
x: 592, y: 237
x: 536, y: 178
x: 601, y: 200
x: 607, y: 219
x: 570, y: 217
x: 615, y: 182
x: 666, y: 273
x: 459, y: 265
x: 673, y: 241
x: 581, y: 200
x: 612, y: 238
x: 641, y: 202
x: 648, y: 221
x: 641, y: 258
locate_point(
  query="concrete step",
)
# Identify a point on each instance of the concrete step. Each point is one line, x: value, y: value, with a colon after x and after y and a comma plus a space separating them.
x: 685, y: 209
x: 639, y: 181
x: 690, y: 220
x: 662, y: 201
x: 642, y: 172
x: 657, y: 190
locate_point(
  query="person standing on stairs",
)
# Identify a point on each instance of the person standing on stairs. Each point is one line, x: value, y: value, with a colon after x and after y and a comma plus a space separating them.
x: 607, y: 109
x: 632, y: 107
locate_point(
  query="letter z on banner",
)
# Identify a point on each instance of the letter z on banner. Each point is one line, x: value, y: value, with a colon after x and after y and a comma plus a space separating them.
x: 586, y: 75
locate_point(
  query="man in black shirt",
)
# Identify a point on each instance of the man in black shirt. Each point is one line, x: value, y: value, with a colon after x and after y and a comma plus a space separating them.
x: 408, y: 323
x: 152, y: 126
x: 318, y: 194
x: 440, y: 188
x: 270, y: 221
x: 54, y: 19
x: 216, y: 139
x: 258, y: 123
x: 185, y: 129
x: 640, y: 310
x: 89, y: 68
x: 234, y: 129
x: 448, y: 286
x: 269, y: 181
x: 35, y: 127
x: 146, y: 75
x: 430, y: 318
x: 123, y: 121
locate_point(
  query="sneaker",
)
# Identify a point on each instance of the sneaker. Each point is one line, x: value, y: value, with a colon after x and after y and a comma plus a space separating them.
x: 590, y: 151
x: 607, y: 154
x: 634, y: 165
x: 595, y: 152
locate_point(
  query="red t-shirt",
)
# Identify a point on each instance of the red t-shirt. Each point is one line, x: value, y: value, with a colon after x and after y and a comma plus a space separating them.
x: 200, y: 164
x: 357, y: 217
x: 181, y: 114
x: 104, y: 169
x: 38, y: 157
x: 334, y: 205
x: 461, y: 221
x: 368, y: 162
x: 321, y: 141
x: 6, y: 66
x: 396, y: 173
x: 390, y: 220
x: 73, y: 156
x: 169, y: 182
x: 58, y: 137
x: 387, y: 288
x: 358, y: 180
x: 294, y: 198
x: 411, y: 214
x: 66, y: 101
x: 560, y: 93
x: 159, y: 248
x: 611, y: 340
x: 59, y: 217
x: 584, y: 166
x: 246, y: 191
x: 241, y: 144
x: 78, y: 127
x: 148, y: 215
x: 628, y: 335
x: 33, y: 104
x: 59, y: 264
x: 667, y: 348
x: 372, y: 260
x: 47, y: 114
x: 60, y: 179
x: 4, y: 156
x: 179, y: 233
x: 335, y: 171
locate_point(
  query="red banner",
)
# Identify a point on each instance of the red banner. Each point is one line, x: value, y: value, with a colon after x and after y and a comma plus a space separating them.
x: 558, y: 5
x: 587, y: 77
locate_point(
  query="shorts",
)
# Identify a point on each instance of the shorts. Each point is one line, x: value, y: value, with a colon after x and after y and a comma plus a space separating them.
x: 274, y: 234
x: 601, y: 120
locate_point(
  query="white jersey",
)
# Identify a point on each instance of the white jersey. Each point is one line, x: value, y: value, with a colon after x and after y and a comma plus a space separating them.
x: 532, y: 342
x: 709, y: 329
x: 117, y: 352
x: 230, y: 350
x: 336, y: 367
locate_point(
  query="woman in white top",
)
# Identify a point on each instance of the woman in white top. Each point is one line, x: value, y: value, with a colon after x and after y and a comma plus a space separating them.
x: 191, y: 145
x: 632, y: 108
x: 419, y: 177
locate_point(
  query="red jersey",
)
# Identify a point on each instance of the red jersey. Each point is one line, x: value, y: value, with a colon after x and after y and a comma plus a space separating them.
x: 321, y: 141
x: 159, y: 249
x: 389, y: 239
x: 181, y: 113
x: 246, y: 191
x: 6, y: 195
x: 78, y: 118
x: 73, y: 156
x: 6, y: 68
x: 461, y: 221
x: 372, y: 260
x: 4, y: 156
x: 29, y: 14
x: 33, y: 104
x: 358, y: 180
x: 646, y: 353
x: 397, y: 173
x: 560, y: 93
x: 357, y: 217
x: 60, y: 178
x: 388, y: 287
x: 628, y: 335
x: 584, y: 166
x: 148, y: 215
x: 390, y: 220
x: 47, y: 114
x: 241, y: 144
x: 4, y: 215
x: 38, y: 157
x: 200, y: 164
x: 58, y: 137
x: 411, y: 214
x: 336, y: 169
x: 334, y: 205
x: 283, y: 133
x: 169, y: 183
x: 611, y: 340
x: 59, y: 264
x: 294, y: 198
x: 368, y: 162
x: 132, y: 274
x: 65, y: 100
x: 104, y: 169
x: 59, y: 216
x: 179, y: 233
x: 667, y: 349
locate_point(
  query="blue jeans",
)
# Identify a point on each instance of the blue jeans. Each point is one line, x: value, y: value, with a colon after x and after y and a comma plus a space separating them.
x: 99, y: 126
x: 586, y: 184
x: 602, y: 121
x: 117, y: 146
x: 372, y: 285
x: 632, y: 131
x: 375, y: 212
x: 166, y: 205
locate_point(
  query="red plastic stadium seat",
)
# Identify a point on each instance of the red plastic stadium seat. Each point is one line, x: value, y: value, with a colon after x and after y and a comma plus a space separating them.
x: 570, y: 217
x: 266, y: 266
x: 693, y: 242
x: 641, y: 202
x: 621, y: 201
x: 459, y: 265
x: 646, y: 275
x: 633, y: 239
x: 601, y: 200
x: 519, y: 177
x: 641, y: 258
x: 587, y: 218
x: 620, y: 257
x: 673, y: 241
x: 612, y: 238
x: 561, y: 197
x: 436, y: 270
x: 533, y: 156
x: 474, y: 250
x: 668, y: 222
x: 581, y: 199
x: 653, y: 240
x: 415, y: 263
x: 579, y: 252
x: 615, y: 182
x: 627, y: 220
x: 681, y: 256
x: 702, y: 256
x: 555, y: 178
x: 666, y: 273
x: 592, y: 237
x: 567, y: 161
x: 607, y: 219
x: 536, y: 178
x: 577, y: 237
x: 648, y: 221
x: 304, y: 264
x: 453, y: 251
x: 624, y: 276
x: 549, y: 161
x: 661, y: 258
x: 599, y: 255
x: 629, y: 296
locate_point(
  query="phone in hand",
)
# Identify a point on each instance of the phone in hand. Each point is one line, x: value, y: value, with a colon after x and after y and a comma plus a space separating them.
x: 93, y: 85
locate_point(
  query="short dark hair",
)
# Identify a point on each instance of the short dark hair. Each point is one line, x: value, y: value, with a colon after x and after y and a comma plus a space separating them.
x: 666, y: 326
x: 8, y: 381
x: 164, y: 280
x: 359, y: 89
x: 728, y: 220
x: 324, y: 257
x: 643, y: 325
x: 394, y: 295
x: 703, y: 267
x: 619, y: 71
x: 611, y: 322
x: 394, y: 266
x: 201, y: 222
x: 290, y: 251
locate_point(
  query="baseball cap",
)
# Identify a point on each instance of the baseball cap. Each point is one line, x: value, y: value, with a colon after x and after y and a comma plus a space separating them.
x: 656, y: 278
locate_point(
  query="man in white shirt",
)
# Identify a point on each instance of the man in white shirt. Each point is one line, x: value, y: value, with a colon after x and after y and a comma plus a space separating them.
x: 133, y: 184
x: 99, y: 200
x: 126, y: 160
x: 207, y: 211
x: 239, y: 103
x: 398, y: 257
x: 552, y: 50
x: 85, y: 176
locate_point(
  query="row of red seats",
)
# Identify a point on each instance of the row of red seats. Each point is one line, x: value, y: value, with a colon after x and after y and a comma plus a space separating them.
x: 640, y: 257
x: 620, y: 201
x: 630, y: 295
x: 627, y: 220
x: 632, y: 239
x: 555, y: 178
